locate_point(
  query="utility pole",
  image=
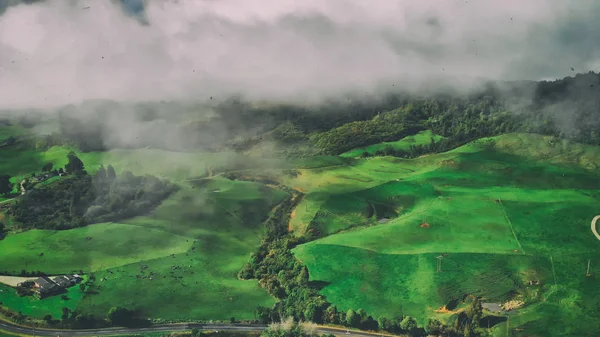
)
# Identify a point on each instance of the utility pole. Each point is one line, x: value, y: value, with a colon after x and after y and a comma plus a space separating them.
x: 439, y: 263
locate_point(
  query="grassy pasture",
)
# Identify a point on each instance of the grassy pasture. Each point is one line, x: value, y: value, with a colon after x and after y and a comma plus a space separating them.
x: 223, y: 228
x: 176, y: 166
x: 10, y: 131
x: 305, y: 212
x: 204, y: 286
x: 421, y: 138
x: 109, y: 245
x: 237, y: 210
x: 453, y: 228
x: 212, y: 232
x: 505, y: 209
x: 393, y: 284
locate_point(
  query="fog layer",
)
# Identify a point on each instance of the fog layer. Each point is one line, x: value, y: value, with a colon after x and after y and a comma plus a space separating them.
x: 59, y: 52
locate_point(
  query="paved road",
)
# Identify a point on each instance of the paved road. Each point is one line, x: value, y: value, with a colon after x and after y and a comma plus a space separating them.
x: 594, y: 226
x: 166, y: 328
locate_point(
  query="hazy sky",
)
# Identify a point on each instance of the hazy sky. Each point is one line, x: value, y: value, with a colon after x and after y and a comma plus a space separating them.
x: 59, y: 52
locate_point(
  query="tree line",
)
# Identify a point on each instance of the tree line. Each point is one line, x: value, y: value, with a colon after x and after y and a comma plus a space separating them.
x: 566, y: 108
x: 79, y: 199
x: 287, y: 279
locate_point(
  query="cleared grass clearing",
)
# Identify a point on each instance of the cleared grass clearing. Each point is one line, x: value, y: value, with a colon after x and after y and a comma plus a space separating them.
x: 10, y: 131
x: 181, y: 165
x: 237, y: 210
x: 210, y: 234
x: 305, y: 212
x: 393, y: 284
x: 567, y: 309
x: 334, y: 215
x: 560, y: 227
x: 456, y: 224
x: 549, y: 150
x: 110, y: 245
x: 357, y: 175
x: 223, y: 228
x: 505, y: 210
x: 421, y: 138
x: 176, y: 166
x: 221, y: 219
x: 204, y: 286
x: 365, y: 207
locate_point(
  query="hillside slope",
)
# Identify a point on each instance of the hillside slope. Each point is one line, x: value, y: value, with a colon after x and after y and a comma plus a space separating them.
x: 506, y: 211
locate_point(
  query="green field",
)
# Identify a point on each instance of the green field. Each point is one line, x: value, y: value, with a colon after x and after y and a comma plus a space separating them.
x: 212, y: 226
x: 393, y: 284
x: 421, y: 138
x: 10, y: 131
x: 223, y: 229
x: 505, y: 210
x: 27, y: 158
x: 85, y: 248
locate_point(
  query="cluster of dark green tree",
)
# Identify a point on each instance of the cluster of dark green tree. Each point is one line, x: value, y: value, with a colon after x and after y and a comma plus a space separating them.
x: 25, y: 288
x: 467, y: 324
x: 116, y: 316
x: 79, y: 199
x: 6, y: 186
x: 287, y: 279
x: 458, y: 120
x: 414, y: 151
x: 391, y: 125
x: 72, y: 319
x: 567, y: 107
x: 2, y: 230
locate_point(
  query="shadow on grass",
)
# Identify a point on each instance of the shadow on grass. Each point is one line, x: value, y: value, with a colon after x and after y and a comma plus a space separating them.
x: 452, y: 304
x: 490, y: 321
x: 138, y: 323
x: 318, y: 284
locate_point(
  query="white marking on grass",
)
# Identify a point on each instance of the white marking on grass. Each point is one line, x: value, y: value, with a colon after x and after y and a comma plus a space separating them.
x: 511, y: 226
x: 594, y: 226
x: 553, y: 271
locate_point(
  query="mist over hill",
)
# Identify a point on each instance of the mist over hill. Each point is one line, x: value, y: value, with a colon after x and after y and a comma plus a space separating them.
x: 564, y: 108
x: 222, y: 75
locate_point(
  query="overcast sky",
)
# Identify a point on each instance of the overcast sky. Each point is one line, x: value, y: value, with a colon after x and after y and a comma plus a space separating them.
x: 59, y: 52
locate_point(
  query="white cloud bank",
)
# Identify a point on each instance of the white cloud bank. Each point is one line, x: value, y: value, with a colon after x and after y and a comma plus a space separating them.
x: 56, y: 52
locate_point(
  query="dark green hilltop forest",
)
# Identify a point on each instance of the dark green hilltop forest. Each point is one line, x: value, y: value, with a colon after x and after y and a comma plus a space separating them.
x: 565, y: 108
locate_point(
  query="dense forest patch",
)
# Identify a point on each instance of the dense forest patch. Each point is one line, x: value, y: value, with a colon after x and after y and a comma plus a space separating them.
x: 81, y: 199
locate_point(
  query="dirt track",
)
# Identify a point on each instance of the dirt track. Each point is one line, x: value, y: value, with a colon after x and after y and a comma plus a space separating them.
x: 594, y: 226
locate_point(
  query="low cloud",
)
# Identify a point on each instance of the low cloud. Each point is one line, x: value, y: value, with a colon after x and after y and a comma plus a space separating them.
x: 59, y: 52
